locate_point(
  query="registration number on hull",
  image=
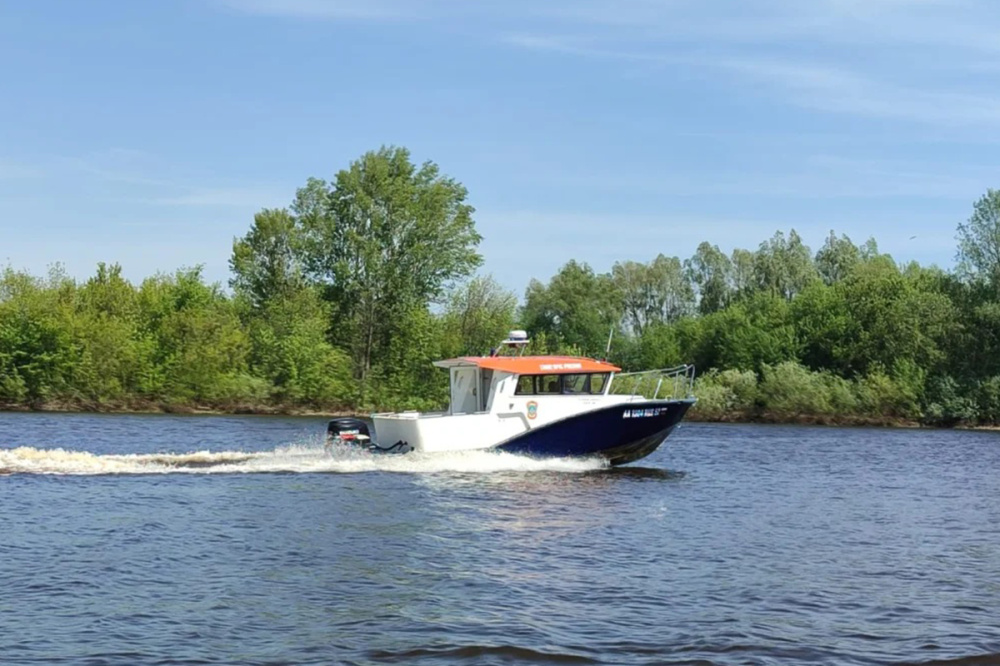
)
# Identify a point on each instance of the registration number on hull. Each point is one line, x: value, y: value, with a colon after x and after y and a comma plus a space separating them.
x: 643, y: 413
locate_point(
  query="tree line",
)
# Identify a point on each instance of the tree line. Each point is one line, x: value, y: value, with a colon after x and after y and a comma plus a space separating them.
x: 340, y: 301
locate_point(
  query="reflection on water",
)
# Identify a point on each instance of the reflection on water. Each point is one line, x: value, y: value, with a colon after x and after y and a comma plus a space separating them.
x: 236, y: 540
x: 642, y: 473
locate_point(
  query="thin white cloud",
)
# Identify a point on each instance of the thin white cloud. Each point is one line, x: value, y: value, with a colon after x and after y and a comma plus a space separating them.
x: 577, y: 47
x: 841, y: 91
x: 814, y: 67
x: 716, y: 23
x: 121, y: 175
x: 126, y: 166
x: 234, y: 197
x: 854, y: 179
x: 962, y: 24
x: 324, y: 9
x: 811, y: 85
x: 374, y: 10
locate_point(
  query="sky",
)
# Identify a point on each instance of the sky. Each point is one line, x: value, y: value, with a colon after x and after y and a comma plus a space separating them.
x: 149, y: 133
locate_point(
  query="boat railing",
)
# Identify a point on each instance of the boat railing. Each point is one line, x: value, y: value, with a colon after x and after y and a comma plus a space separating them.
x: 675, y: 383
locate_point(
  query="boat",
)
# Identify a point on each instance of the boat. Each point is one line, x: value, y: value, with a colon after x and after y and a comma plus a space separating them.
x: 540, y: 406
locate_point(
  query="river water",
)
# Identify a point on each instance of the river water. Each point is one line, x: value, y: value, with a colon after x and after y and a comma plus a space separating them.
x: 236, y: 540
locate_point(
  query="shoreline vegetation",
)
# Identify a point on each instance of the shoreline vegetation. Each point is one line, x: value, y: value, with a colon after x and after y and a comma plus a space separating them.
x: 698, y: 414
x: 143, y: 407
x: 152, y: 409
x: 339, y: 303
x: 733, y: 417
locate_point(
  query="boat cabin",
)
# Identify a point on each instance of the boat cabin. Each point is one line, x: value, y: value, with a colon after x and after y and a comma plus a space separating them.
x: 480, y: 383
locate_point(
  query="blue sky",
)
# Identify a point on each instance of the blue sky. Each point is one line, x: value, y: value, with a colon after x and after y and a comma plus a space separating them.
x: 148, y: 133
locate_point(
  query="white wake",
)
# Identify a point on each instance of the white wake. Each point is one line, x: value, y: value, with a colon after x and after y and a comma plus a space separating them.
x: 291, y: 459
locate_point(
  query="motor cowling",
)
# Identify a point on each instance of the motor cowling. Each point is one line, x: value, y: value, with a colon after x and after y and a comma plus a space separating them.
x: 348, y: 430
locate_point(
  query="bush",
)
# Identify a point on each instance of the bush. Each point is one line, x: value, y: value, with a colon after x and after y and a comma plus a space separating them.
x: 988, y: 399
x: 238, y: 388
x: 792, y: 389
x: 948, y: 404
x: 879, y: 395
x: 722, y: 395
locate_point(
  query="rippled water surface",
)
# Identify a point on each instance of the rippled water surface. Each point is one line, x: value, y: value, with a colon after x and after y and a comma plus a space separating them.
x: 236, y: 540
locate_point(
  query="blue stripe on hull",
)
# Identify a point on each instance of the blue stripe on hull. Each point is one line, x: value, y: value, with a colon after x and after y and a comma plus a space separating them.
x: 620, y: 433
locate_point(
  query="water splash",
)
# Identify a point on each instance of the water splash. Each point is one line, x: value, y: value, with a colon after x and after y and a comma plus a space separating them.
x: 290, y: 459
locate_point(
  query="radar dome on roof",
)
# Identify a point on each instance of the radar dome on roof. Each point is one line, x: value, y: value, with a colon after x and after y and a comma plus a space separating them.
x: 517, y: 335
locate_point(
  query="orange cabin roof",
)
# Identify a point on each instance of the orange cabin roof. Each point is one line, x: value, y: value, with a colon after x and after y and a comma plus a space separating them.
x: 532, y: 365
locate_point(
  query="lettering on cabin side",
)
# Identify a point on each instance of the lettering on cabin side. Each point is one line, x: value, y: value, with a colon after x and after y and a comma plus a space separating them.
x: 643, y: 413
x: 561, y: 366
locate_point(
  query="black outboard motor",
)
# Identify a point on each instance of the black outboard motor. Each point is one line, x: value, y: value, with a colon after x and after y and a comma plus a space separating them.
x: 354, y: 432
x: 348, y: 430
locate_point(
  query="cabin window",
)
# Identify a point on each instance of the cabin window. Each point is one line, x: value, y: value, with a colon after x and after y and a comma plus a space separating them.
x: 575, y: 383
x: 486, y: 382
x: 572, y: 384
x: 525, y: 385
x: 548, y: 384
x: 597, y: 382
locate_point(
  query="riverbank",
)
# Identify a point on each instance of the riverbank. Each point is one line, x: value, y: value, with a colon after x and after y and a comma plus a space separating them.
x: 258, y: 409
x: 160, y: 407
x: 841, y: 420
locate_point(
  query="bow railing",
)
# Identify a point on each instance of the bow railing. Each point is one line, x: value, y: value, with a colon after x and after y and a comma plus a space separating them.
x: 665, y: 384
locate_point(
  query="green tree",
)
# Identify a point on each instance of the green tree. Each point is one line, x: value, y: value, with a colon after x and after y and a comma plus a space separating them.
x: 578, y: 308
x: 783, y: 266
x: 656, y: 292
x: 837, y: 258
x: 711, y: 272
x: 979, y: 240
x: 478, y: 314
x: 892, y: 320
x: 115, y: 356
x: 824, y: 326
x: 744, y: 281
x: 289, y: 349
x: 267, y: 262
x: 37, y: 355
x: 384, y: 239
x: 756, y: 331
x: 405, y: 377
x: 201, y: 345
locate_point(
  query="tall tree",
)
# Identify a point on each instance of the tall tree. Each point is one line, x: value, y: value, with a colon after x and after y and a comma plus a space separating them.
x: 115, y: 354
x: 824, y: 325
x: 578, y: 308
x: 744, y: 282
x: 837, y: 258
x: 711, y: 271
x: 478, y: 314
x: 784, y: 266
x: 657, y: 292
x: 385, y: 239
x: 979, y: 240
x: 37, y: 355
x: 289, y: 348
x: 756, y: 331
x: 892, y: 320
x: 267, y: 262
x: 201, y: 345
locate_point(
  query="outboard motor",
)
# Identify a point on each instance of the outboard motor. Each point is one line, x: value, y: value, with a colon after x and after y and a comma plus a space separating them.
x: 347, y: 430
x: 354, y: 432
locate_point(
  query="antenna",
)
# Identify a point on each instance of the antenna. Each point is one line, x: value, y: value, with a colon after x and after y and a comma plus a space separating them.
x: 607, y: 350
